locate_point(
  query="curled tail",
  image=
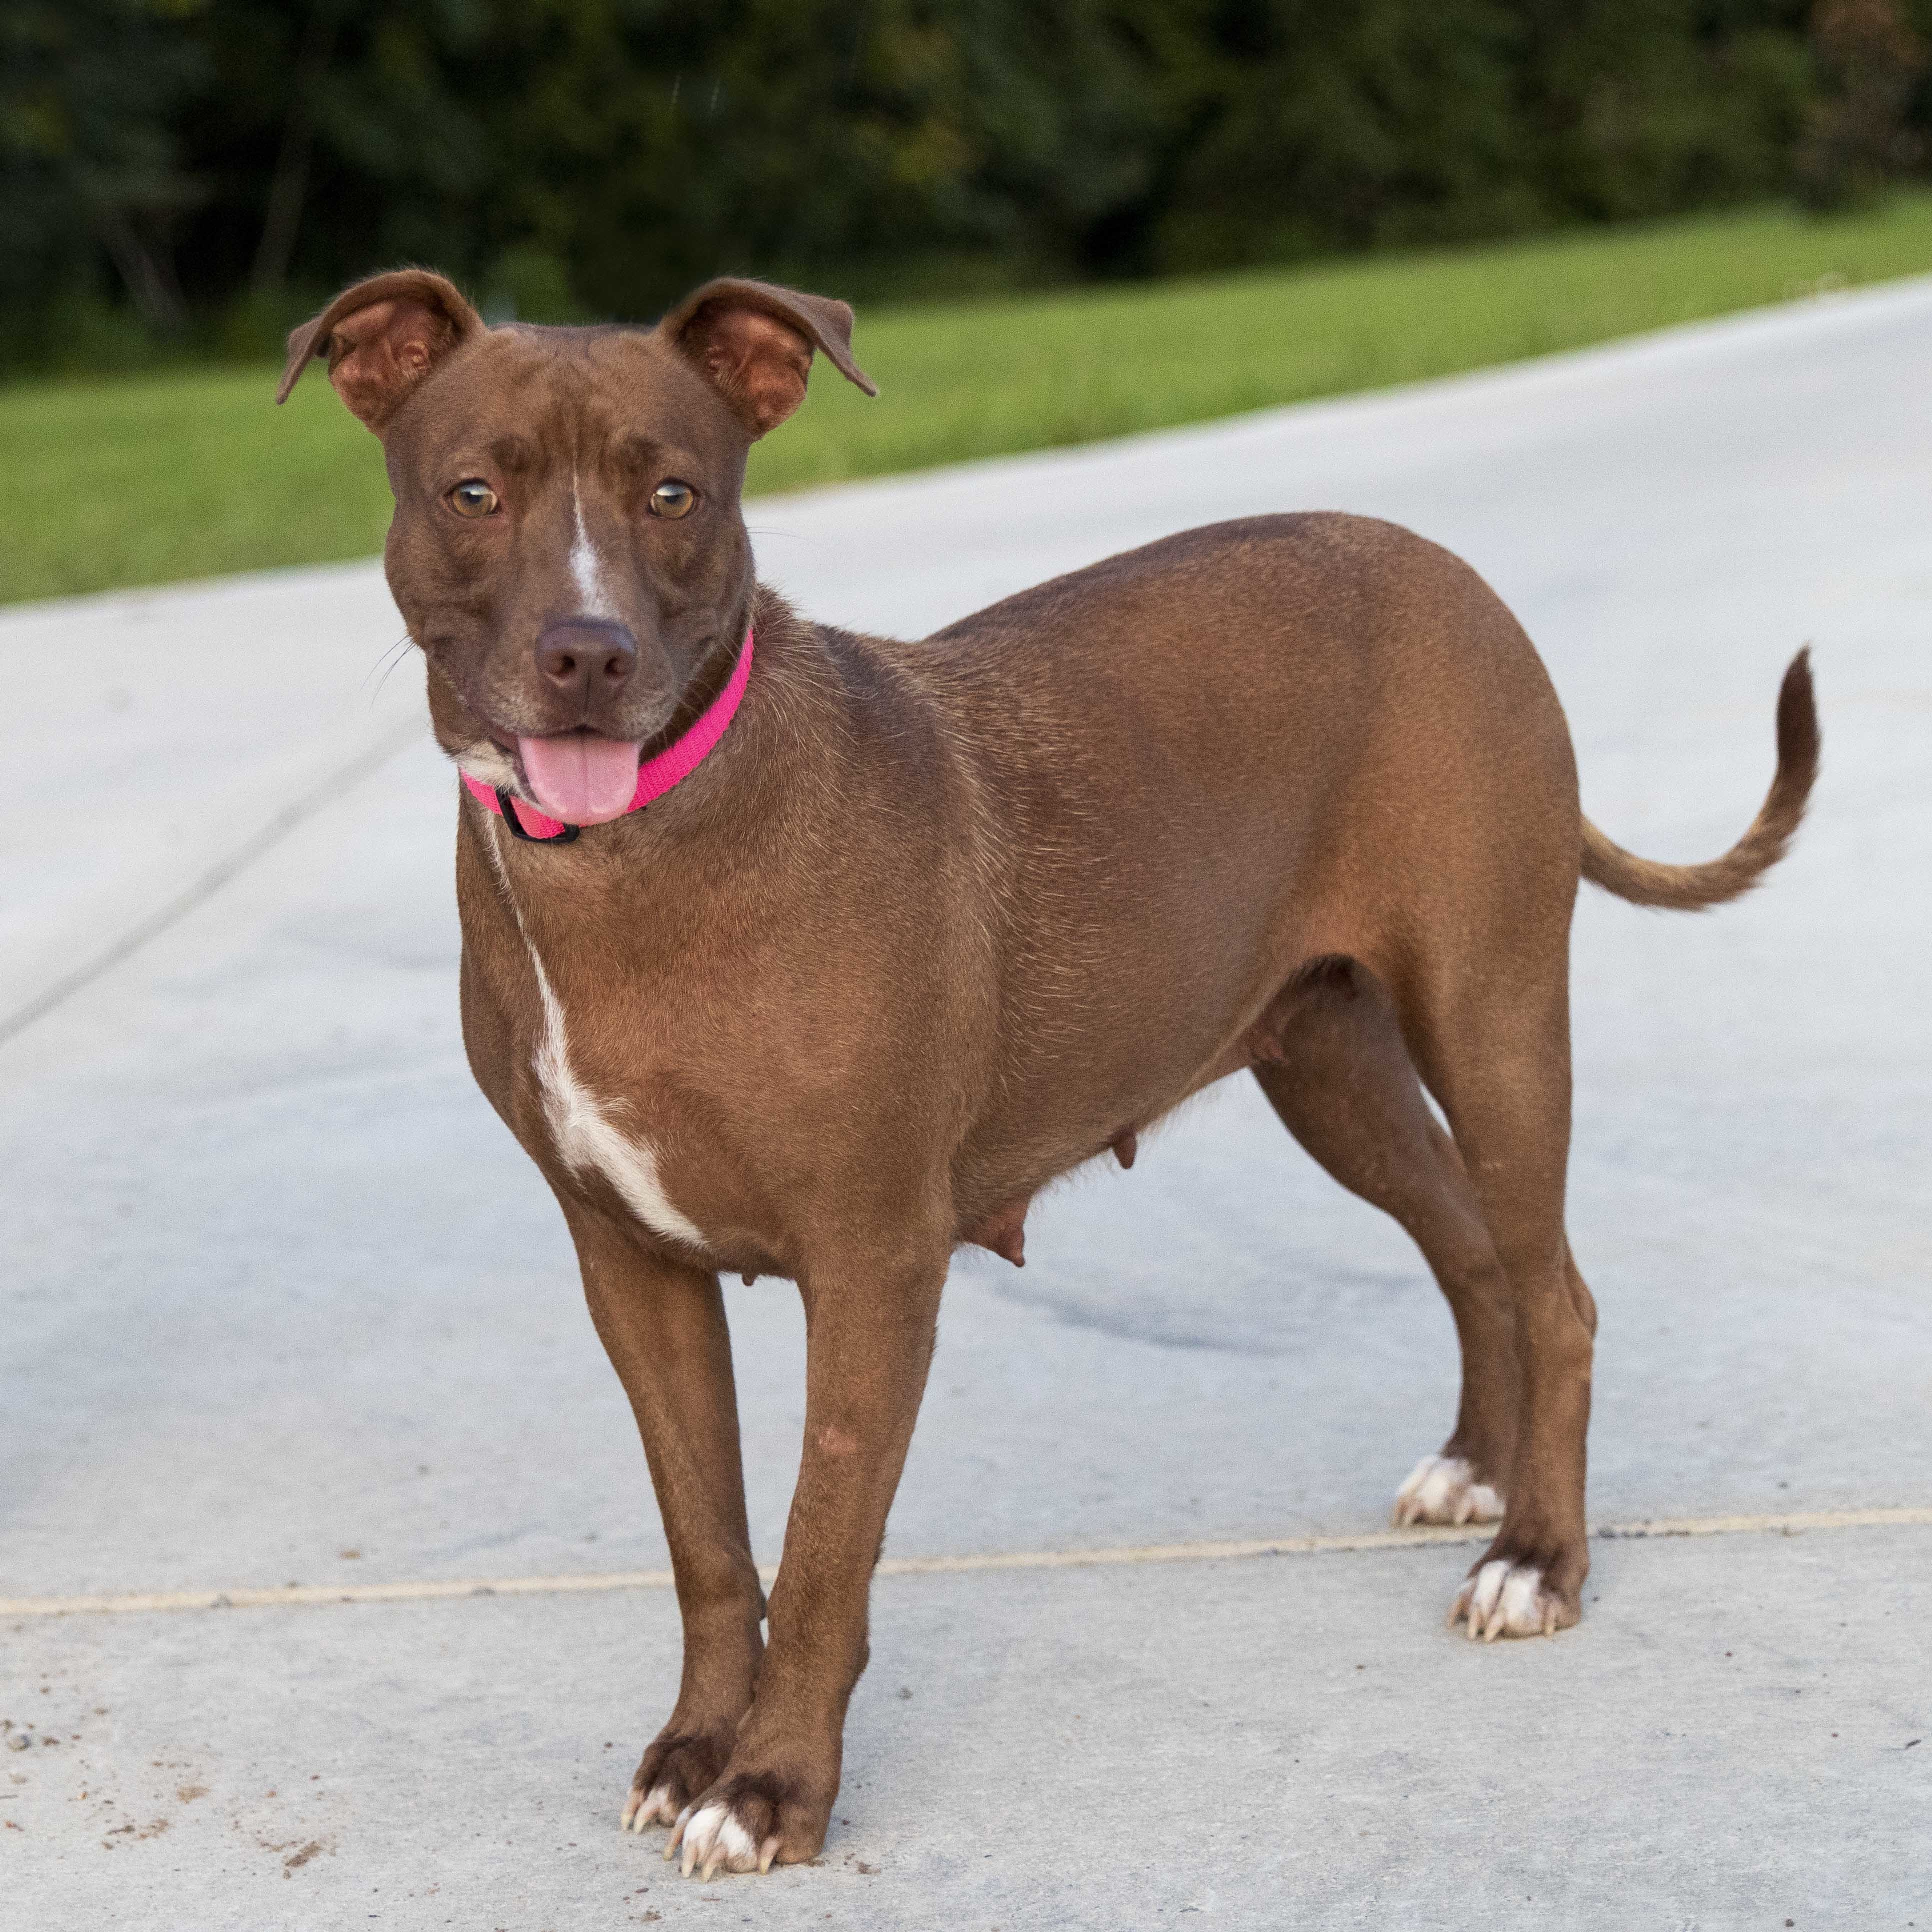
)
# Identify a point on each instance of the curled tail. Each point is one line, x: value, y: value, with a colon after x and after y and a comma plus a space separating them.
x: 1691, y: 888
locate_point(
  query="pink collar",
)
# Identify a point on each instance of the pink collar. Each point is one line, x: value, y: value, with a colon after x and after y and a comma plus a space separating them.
x: 656, y: 776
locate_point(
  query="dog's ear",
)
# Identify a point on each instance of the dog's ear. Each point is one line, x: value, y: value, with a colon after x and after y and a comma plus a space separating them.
x: 754, y: 342
x: 382, y: 337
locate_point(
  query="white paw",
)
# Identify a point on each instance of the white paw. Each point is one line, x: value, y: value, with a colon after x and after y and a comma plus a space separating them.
x: 1505, y: 1599
x: 713, y: 1840
x: 655, y: 1806
x: 1444, y: 1489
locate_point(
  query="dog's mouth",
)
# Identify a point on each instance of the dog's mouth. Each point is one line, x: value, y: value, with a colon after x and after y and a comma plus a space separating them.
x: 580, y: 777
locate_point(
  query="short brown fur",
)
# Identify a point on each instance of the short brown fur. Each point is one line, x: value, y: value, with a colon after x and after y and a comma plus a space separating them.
x: 938, y: 922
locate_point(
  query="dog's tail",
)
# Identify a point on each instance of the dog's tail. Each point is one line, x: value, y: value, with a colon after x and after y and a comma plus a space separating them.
x: 1691, y: 888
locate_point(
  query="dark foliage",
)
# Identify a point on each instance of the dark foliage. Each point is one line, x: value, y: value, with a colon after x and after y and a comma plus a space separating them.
x: 197, y: 170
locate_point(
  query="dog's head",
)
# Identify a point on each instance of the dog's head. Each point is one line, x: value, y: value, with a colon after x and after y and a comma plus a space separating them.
x: 568, y: 547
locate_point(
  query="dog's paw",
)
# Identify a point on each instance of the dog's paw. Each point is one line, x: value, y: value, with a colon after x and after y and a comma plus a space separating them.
x: 677, y: 1769
x: 1500, y: 1598
x: 748, y: 1821
x: 1444, y: 1489
x: 714, y: 1839
x: 657, y: 1806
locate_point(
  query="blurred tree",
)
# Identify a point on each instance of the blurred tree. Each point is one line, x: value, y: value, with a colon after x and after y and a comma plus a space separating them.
x: 659, y: 145
x: 1642, y: 107
x: 333, y: 135
x: 220, y: 164
x: 1326, y: 127
x: 1856, y: 138
x: 1389, y: 122
x: 91, y: 170
x: 655, y: 144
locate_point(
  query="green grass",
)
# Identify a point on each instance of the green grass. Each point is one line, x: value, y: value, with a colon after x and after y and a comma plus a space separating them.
x: 141, y: 480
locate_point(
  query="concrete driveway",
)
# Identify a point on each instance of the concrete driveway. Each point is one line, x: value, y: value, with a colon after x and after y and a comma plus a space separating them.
x: 333, y: 1589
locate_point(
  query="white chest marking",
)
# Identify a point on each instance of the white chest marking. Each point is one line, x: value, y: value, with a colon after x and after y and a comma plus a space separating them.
x: 586, y: 567
x: 585, y: 1136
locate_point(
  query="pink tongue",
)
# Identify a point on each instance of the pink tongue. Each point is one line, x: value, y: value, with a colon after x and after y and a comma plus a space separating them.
x: 580, y: 777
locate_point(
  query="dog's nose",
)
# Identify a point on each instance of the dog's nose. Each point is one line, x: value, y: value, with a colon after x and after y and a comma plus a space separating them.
x: 586, y: 656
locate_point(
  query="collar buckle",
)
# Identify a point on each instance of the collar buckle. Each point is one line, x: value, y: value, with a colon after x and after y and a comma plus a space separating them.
x: 508, y: 806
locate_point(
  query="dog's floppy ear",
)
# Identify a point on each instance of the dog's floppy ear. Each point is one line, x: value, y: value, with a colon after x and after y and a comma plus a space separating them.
x: 382, y: 337
x: 753, y: 343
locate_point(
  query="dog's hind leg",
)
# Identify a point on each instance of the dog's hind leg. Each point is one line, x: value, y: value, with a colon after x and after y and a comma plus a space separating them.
x: 1494, y: 1047
x: 1340, y: 1076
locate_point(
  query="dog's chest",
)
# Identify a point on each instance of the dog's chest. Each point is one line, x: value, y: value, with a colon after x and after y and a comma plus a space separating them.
x: 586, y: 1135
x: 590, y: 1134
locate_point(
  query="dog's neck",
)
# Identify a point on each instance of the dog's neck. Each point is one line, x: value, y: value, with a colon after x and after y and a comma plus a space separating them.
x: 656, y: 776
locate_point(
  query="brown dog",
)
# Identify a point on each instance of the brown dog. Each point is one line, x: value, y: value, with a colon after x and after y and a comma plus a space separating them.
x: 933, y: 923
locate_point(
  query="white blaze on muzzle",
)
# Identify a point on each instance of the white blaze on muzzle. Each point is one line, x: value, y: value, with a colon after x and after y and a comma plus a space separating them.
x: 587, y: 567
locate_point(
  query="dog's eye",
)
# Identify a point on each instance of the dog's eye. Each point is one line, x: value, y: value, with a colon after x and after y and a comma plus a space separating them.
x: 473, y: 498
x: 673, y: 498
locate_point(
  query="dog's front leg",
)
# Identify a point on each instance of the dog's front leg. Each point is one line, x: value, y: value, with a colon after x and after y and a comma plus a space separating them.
x: 663, y: 1325
x: 869, y: 1330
